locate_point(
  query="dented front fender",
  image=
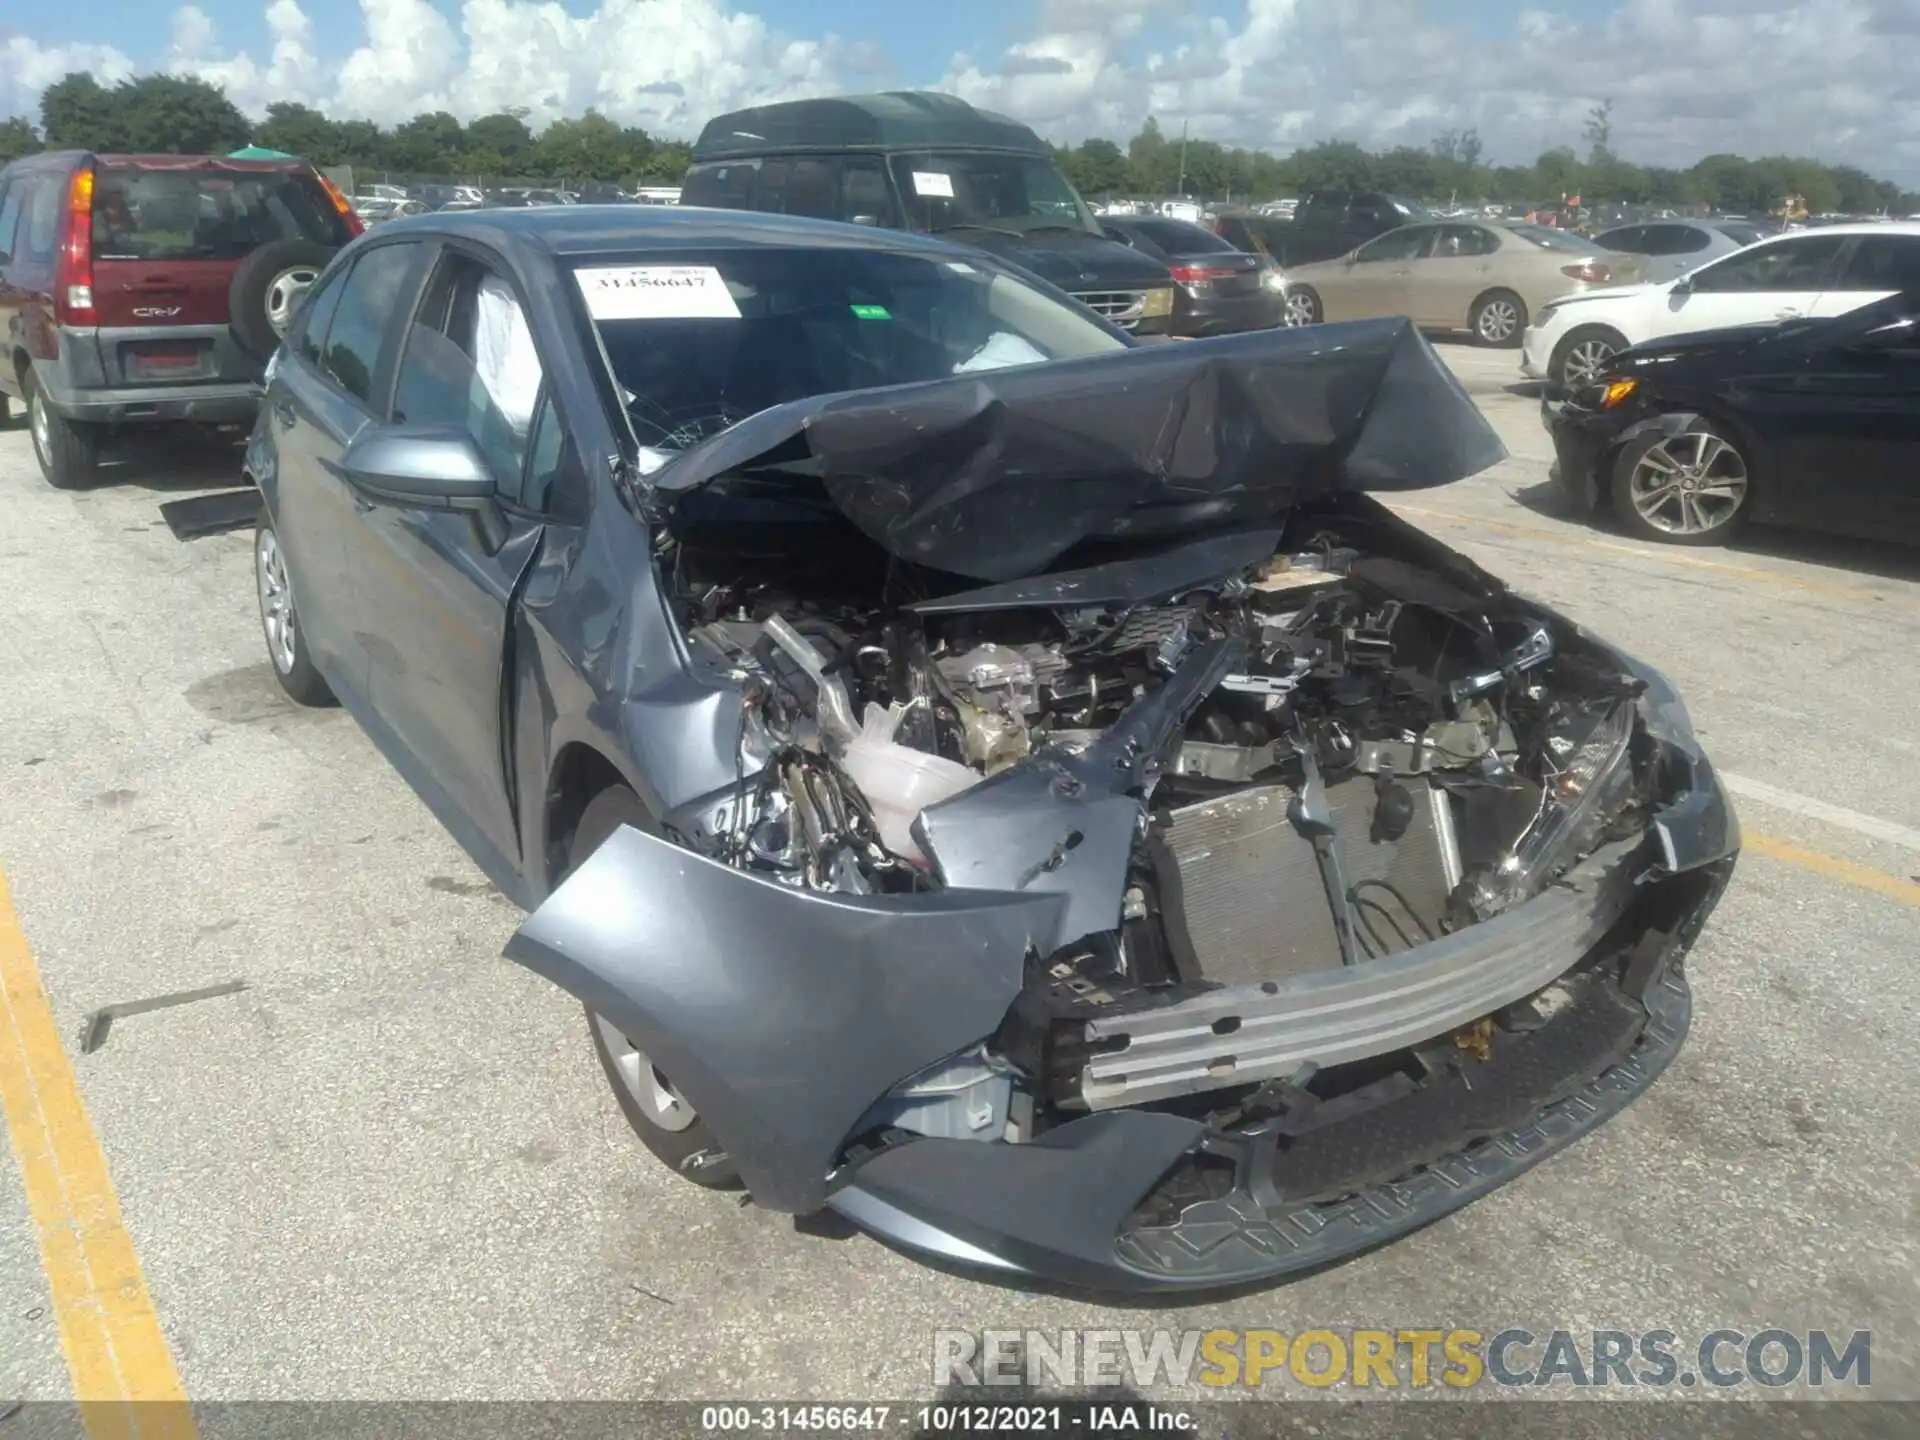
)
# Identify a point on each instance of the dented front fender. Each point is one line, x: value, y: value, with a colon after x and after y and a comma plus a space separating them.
x: 781, y: 1015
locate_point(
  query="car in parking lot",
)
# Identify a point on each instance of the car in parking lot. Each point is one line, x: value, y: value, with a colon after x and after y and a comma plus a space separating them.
x: 1673, y: 247
x: 150, y: 288
x: 1811, y: 423
x: 1814, y: 273
x: 1482, y: 277
x: 1004, y: 782
x: 1219, y: 290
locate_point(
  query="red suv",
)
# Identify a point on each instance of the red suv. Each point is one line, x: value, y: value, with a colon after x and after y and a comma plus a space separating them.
x: 141, y: 288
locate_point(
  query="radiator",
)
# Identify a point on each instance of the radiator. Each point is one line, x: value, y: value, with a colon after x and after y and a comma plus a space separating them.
x: 1250, y: 899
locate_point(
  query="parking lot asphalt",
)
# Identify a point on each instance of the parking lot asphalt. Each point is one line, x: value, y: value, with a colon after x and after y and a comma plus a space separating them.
x: 389, y: 1167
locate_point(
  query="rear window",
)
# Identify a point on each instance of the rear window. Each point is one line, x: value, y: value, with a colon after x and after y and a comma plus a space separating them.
x: 1739, y: 234
x: 1548, y: 238
x: 1177, y: 237
x: 207, y: 215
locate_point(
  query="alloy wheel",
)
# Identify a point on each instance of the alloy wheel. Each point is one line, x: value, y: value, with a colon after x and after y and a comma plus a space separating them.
x: 40, y: 422
x: 651, y: 1091
x: 1584, y: 360
x: 276, y: 601
x: 1301, y: 309
x: 1689, y: 484
x: 1499, y: 319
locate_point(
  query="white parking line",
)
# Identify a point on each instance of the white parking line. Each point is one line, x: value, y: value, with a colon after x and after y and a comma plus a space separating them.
x: 1872, y: 826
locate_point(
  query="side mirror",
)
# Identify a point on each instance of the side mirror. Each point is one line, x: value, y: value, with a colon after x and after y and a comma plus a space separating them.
x: 1683, y: 286
x: 419, y: 467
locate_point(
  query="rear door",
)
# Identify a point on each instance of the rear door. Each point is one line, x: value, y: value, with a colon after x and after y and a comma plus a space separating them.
x: 1781, y: 280
x: 441, y: 582
x: 1874, y: 267
x: 166, y: 243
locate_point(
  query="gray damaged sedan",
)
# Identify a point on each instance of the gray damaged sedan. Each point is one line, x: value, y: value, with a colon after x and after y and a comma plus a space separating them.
x: 1005, y: 783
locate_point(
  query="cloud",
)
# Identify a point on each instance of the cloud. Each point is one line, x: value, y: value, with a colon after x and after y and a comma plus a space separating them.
x: 1687, y: 77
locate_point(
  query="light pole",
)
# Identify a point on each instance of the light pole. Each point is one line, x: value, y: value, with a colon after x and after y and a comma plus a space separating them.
x: 1180, y: 186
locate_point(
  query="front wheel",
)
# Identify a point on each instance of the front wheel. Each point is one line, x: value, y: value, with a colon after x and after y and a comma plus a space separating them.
x: 655, y: 1111
x: 1498, y: 318
x: 1303, y: 306
x: 1693, y: 488
x: 1577, y: 359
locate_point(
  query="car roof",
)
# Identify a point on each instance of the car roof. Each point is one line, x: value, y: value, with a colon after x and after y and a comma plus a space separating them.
x: 888, y: 120
x: 569, y: 230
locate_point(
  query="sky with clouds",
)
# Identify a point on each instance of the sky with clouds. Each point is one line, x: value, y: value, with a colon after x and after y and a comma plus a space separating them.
x: 1832, y: 78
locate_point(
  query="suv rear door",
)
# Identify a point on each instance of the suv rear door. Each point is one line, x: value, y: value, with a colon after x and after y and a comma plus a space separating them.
x: 168, y: 237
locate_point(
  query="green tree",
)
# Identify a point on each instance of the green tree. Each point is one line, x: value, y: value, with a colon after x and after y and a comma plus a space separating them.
x: 178, y: 115
x: 427, y: 144
x: 499, y: 144
x: 667, y: 165
x: 17, y: 138
x: 1152, y: 164
x: 78, y: 113
x: 1599, y: 132
x: 1096, y: 167
x: 1557, y: 174
x: 590, y: 148
x: 1334, y: 165
x: 303, y: 131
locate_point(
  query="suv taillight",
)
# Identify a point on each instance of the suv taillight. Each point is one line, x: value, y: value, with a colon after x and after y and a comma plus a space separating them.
x: 73, y: 272
x: 355, y: 225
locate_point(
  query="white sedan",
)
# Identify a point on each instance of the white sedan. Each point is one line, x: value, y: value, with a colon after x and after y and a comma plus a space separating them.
x: 1827, y: 271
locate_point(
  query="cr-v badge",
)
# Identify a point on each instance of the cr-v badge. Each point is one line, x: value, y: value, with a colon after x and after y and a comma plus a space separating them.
x: 155, y: 312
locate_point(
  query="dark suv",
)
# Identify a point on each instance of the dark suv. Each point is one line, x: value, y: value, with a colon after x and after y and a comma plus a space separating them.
x: 142, y: 288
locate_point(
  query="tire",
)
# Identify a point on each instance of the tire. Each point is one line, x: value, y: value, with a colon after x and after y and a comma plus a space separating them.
x: 293, y: 667
x: 1303, y: 306
x: 1714, y: 480
x: 68, y: 450
x: 666, y: 1124
x: 6, y: 411
x: 1497, y: 319
x: 267, y: 290
x: 1580, y: 350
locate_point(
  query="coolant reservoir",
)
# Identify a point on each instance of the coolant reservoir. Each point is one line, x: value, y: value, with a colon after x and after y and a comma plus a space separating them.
x: 897, y: 780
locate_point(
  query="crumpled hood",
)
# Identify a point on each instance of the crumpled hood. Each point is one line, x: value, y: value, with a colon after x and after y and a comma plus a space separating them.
x: 996, y: 474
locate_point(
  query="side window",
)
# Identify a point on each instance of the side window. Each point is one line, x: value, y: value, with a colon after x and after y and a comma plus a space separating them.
x: 1408, y: 243
x: 1463, y: 241
x: 470, y: 361
x: 813, y: 188
x: 316, y: 314
x: 363, y: 317
x: 864, y: 198
x: 545, y: 454
x: 40, y: 218
x: 1675, y: 240
x: 1882, y: 262
x: 1628, y: 239
x: 771, y: 193
x: 721, y: 187
x: 1371, y: 211
x: 1800, y: 263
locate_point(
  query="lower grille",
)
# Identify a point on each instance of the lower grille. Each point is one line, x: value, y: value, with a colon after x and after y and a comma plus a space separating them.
x: 1122, y: 307
x: 1251, y: 899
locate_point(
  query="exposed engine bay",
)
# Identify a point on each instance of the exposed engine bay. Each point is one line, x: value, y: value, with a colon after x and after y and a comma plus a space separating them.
x: 1336, y: 756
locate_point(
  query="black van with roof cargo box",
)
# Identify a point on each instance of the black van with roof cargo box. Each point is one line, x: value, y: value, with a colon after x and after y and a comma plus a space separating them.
x: 917, y: 160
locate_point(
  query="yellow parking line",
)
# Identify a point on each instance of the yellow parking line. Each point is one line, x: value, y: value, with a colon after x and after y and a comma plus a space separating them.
x: 1590, y: 541
x: 122, y: 1371
x: 1907, y: 892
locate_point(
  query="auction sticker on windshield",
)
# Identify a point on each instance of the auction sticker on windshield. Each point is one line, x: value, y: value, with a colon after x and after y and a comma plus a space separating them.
x: 656, y: 292
x: 933, y: 182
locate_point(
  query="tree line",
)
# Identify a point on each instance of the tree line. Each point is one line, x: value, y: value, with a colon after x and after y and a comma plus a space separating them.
x: 188, y: 115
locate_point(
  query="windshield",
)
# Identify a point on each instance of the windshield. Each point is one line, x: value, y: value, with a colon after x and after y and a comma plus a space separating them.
x: 698, y: 342
x: 1015, y: 194
x: 1548, y: 238
x: 207, y: 215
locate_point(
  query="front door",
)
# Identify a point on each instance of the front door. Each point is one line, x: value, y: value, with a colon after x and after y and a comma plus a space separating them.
x: 1779, y: 280
x: 1376, y: 279
x: 321, y: 396
x: 442, y: 584
x: 1849, y: 428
